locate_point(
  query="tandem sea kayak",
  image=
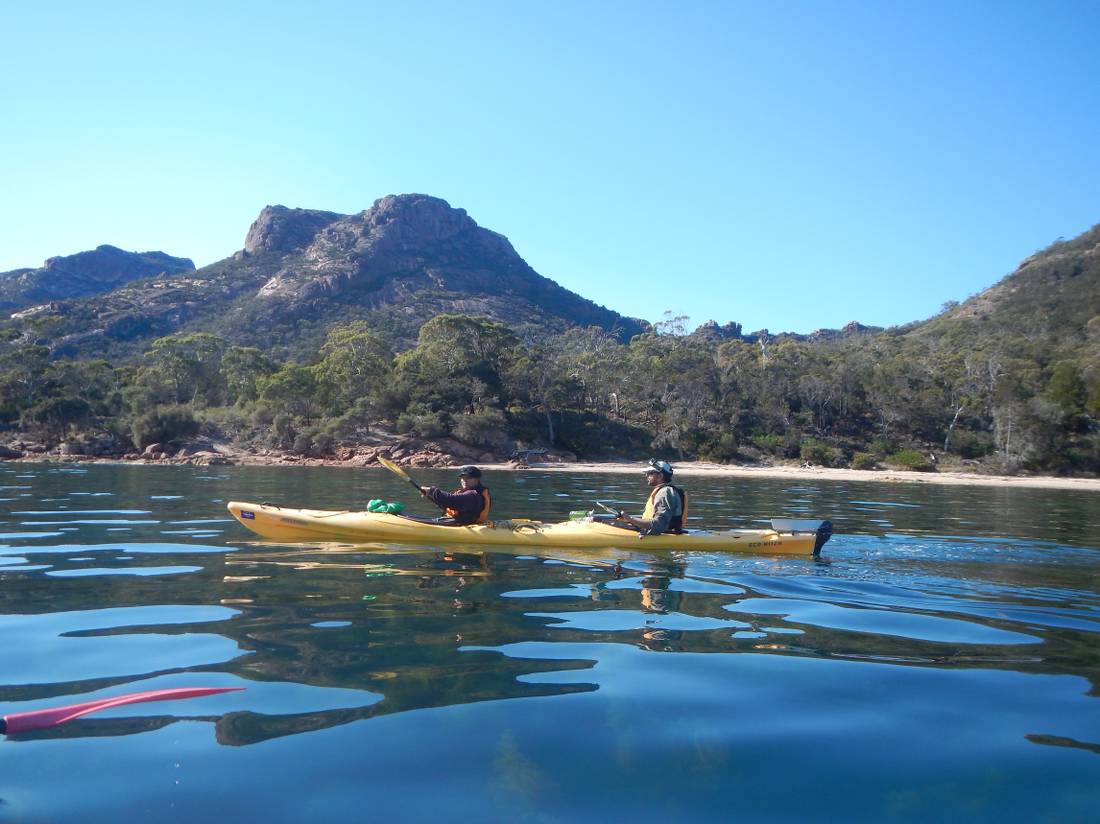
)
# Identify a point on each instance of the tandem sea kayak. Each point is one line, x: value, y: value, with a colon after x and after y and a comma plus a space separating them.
x: 786, y: 537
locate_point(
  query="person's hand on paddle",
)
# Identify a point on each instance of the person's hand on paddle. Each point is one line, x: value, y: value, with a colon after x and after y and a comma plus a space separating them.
x: 424, y: 490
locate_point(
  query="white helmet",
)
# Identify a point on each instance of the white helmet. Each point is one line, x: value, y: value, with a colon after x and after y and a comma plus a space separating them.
x: 664, y: 467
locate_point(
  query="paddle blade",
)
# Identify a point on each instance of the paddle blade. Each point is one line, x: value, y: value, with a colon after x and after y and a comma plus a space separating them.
x: 40, y: 719
x: 394, y: 468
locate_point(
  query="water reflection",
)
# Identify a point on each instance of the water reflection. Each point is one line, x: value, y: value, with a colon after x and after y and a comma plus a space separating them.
x: 998, y: 620
x: 407, y: 626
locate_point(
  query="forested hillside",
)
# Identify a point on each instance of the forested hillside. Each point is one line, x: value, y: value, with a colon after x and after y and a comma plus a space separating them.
x: 1009, y: 380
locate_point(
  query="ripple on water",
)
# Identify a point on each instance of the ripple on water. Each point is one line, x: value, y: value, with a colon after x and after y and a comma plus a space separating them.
x: 622, y: 620
x: 574, y: 591
x: 82, y: 512
x: 881, y: 622
x: 12, y: 560
x: 141, y: 548
x: 724, y: 704
x: 678, y: 585
x: 77, y: 646
x: 91, y: 522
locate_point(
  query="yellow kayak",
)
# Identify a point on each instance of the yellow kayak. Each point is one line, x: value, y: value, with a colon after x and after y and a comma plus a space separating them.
x: 297, y: 525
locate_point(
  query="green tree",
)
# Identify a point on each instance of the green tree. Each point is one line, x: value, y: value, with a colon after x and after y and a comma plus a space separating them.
x: 243, y: 368
x: 459, y: 363
x: 354, y: 365
x: 293, y: 391
x: 58, y: 415
x: 1066, y: 388
x: 192, y: 365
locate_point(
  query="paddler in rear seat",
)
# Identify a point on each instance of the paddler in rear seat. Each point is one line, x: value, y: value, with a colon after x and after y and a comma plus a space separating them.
x: 465, y: 506
x: 666, y: 508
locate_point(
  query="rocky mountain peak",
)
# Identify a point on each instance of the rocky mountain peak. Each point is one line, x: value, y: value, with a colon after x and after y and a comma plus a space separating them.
x: 417, y: 218
x: 399, y: 236
x: 279, y: 229
x: 395, y: 265
x: 111, y: 265
x: 86, y: 273
x: 713, y: 332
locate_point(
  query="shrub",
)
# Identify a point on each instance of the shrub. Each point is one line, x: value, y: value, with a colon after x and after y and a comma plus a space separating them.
x: 282, y: 430
x: 323, y: 442
x: 484, y: 427
x: 819, y: 452
x: 880, y: 448
x: 422, y: 424
x: 594, y: 435
x: 768, y: 443
x: 59, y: 413
x: 792, y: 444
x: 724, y: 448
x: 909, y: 459
x: 163, y: 423
x: 303, y: 442
x: 970, y: 444
x: 229, y: 419
x: 341, y: 428
x: 263, y: 416
x: 864, y: 460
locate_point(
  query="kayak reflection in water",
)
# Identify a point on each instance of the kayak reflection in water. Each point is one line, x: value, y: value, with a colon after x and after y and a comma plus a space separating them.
x: 666, y: 507
x: 467, y: 505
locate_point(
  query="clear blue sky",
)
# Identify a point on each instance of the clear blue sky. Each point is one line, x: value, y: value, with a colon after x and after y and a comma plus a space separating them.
x: 789, y: 165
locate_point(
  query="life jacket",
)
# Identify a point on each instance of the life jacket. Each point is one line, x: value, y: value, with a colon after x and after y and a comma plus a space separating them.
x: 486, y: 502
x: 676, y: 524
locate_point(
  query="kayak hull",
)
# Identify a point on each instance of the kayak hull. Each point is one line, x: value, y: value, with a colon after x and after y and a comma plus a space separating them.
x: 309, y: 525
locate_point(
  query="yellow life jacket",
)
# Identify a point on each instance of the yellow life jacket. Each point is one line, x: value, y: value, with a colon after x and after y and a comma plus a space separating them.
x: 486, y: 503
x: 676, y: 525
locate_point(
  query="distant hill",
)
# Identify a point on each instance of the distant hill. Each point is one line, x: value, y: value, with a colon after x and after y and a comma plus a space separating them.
x: 1051, y: 301
x: 397, y: 264
x: 86, y: 273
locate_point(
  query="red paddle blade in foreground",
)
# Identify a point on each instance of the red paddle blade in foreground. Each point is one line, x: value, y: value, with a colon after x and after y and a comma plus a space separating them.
x: 40, y: 719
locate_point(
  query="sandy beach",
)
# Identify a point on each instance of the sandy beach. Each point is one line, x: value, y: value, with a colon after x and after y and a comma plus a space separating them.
x: 696, y: 469
x: 224, y: 453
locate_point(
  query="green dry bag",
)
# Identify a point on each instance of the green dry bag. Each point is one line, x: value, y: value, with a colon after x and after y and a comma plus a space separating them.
x: 378, y: 505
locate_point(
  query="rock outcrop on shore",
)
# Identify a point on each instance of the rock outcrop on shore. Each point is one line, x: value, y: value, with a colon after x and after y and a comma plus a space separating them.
x: 403, y: 450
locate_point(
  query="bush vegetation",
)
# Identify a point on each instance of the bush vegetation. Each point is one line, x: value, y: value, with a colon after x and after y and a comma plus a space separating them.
x: 1012, y: 401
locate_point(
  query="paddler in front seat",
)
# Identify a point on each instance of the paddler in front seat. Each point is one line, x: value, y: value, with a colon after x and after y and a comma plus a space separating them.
x: 666, y: 508
x: 467, y: 505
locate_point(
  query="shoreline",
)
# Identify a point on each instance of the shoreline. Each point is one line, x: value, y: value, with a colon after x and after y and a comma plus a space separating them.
x: 946, y: 478
x: 695, y: 469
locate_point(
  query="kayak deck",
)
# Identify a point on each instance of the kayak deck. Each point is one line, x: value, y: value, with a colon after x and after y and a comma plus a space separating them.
x: 308, y: 525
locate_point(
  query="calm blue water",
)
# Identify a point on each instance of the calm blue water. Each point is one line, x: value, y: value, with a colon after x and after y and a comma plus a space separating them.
x: 939, y: 662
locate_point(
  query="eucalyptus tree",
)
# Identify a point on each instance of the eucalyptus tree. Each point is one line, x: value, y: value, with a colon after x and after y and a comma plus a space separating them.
x: 192, y: 363
x: 354, y: 366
